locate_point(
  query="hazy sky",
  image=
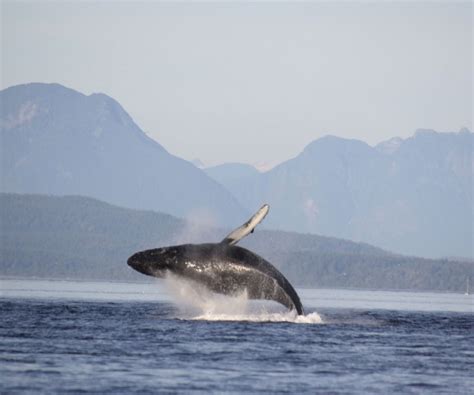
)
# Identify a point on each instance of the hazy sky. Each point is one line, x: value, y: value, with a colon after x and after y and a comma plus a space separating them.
x: 253, y: 82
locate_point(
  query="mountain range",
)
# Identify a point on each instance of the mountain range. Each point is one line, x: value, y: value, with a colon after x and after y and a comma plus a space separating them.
x: 411, y: 196
x: 58, y: 141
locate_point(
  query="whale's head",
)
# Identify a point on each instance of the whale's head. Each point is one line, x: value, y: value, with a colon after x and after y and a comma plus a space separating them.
x: 156, y: 262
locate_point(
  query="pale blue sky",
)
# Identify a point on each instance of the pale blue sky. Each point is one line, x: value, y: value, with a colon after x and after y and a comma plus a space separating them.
x: 253, y: 82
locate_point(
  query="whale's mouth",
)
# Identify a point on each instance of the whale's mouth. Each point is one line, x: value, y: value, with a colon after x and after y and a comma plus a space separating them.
x: 135, y: 262
x: 141, y: 263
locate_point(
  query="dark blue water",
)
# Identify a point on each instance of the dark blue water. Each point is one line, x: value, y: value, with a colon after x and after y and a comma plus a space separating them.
x: 55, y: 345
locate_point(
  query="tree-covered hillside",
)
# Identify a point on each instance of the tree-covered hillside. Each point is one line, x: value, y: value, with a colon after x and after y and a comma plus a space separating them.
x: 82, y: 238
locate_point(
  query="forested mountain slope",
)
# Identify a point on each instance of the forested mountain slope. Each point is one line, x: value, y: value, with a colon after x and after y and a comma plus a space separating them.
x: 82, y: 238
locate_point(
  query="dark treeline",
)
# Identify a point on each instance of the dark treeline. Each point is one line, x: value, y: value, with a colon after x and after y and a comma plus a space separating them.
x: 82, y: 238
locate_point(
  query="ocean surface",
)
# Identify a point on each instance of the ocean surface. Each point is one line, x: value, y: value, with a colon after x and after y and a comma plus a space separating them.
x: 77, y: 337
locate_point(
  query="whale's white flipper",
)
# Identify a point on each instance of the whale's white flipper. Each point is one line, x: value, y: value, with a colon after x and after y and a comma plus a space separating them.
x: 236, y: 235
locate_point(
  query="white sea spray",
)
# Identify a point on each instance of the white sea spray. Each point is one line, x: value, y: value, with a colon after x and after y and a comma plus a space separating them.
x: 196, y: 302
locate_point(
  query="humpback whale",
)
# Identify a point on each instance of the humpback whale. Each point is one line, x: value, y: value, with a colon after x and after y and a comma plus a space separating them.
x: 222, y: 267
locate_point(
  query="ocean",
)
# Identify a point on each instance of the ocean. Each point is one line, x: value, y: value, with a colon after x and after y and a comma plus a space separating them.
x: 164, y: 337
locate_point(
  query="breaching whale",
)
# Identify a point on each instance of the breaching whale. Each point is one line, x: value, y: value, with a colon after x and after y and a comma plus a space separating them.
x: 222, y: 267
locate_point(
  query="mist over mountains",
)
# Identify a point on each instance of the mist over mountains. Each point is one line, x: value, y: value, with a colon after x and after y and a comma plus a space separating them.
x: 411, y: 196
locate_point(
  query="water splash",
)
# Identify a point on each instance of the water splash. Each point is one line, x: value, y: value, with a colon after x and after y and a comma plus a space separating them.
x: 199, y: 227
x: 196, y: 302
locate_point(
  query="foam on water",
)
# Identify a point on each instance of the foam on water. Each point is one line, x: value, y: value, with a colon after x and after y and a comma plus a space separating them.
x: 196, y: 302
x: 312, y: 318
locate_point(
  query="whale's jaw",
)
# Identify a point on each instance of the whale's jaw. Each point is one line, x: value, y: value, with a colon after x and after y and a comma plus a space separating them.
x: 154, y: 262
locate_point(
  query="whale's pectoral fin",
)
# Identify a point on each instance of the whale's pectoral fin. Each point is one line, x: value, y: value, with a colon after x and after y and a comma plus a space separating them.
x: 236, y: 235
